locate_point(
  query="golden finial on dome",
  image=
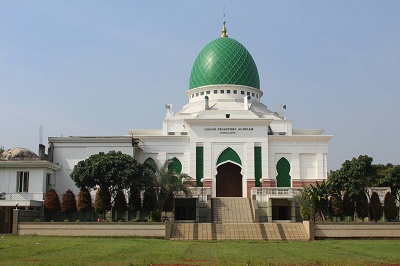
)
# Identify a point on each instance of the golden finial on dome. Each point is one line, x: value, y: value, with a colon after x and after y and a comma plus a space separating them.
x: 224, y: 31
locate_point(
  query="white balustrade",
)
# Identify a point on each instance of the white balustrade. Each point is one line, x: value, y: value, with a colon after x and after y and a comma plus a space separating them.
x: 25, y: 196
x: 263, y: 194
x: 196, y: 192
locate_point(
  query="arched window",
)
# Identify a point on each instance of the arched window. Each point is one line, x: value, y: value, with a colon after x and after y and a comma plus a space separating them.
x: 150, y: 164
x: 175, y: 165
x: 283, y: 178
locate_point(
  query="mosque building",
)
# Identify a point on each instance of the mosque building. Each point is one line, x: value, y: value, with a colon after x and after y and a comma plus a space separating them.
x: 224, y: 137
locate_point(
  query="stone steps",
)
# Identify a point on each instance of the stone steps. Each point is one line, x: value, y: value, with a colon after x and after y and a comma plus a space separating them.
x: 238, y: 231
x: 232, y: 210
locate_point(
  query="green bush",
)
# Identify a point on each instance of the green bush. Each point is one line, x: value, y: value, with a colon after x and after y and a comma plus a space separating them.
x: 362, y: 206
x: 375, y: 208
x: 51, y: 203
x: 348, y: 205
x: 37, y: 220
x: 305, y: 215
x: 78, y: 221
x: 66, y: 220
x: 335, y: 205
x: 102, y: 203
x: 68, y: 203
x: 156, y: 215
x: 390, y: 208
x: 84, y: 203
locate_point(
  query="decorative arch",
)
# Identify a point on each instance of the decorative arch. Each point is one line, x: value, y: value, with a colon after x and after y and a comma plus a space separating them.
x: 283, y: 168
x: 151, y: 164
x: 175, y: 165
x: 229, y: 155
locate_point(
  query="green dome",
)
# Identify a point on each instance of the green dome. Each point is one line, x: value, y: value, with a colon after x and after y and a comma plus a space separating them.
x: 224, y: 61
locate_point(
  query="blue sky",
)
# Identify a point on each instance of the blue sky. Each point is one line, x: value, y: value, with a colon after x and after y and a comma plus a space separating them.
x: 103, y: 67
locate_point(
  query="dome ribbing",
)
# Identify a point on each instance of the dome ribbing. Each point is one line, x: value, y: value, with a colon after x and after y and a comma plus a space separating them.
x: 224, y: 61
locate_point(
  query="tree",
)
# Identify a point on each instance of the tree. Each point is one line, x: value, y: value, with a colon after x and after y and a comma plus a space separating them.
x: 390, y: 208
x: 120, y: 202
x: 68, y: 204
x: 335, y: 205
x: 375, y: 207
x: 102, y: 202
x: 84, y: 204
x: 51, y: 202
x: 166, y: 182
x: 110, y: 171
x: 392, y: 180
x: 362, y: 206
x: 348, y: 205
x: 354, y: 176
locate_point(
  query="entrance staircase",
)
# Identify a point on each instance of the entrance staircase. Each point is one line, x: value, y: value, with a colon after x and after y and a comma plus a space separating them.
x: 232, y: 210
x: 233, y: 220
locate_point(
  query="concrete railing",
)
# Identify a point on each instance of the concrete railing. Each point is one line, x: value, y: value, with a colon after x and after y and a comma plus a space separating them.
x: 263, y: 194
x: 202, y: 193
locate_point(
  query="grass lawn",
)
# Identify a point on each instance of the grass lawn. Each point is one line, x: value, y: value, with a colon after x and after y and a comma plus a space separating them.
x: 40, y: 250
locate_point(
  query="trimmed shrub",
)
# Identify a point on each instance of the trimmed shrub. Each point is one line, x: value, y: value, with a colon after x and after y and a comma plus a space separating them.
x: 348, y: 205
x: 51, y: 202
x: 335, y: 205
x: 156, y: 215
x: 135, y: 202
x: 68, y: 204
x: 84, y: 200
x: 362, y: 206
x: 375, y: 207
x: 102, y: 203
x: 390, y: 208
x: 120, y: 203
x: 149, y: 196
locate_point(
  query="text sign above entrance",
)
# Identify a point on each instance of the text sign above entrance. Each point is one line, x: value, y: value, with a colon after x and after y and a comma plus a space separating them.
x: 228, y: 130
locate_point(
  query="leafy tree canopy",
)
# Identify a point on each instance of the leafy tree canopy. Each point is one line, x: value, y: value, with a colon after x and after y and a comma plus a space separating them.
x: 354, y: 176
x: 109, y: 171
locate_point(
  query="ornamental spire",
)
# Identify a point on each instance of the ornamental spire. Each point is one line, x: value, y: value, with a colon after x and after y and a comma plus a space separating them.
x: 224, y: 31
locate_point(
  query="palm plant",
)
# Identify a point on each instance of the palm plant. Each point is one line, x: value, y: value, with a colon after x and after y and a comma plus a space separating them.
x: 166, y: 182
x: 319, y: 195
x: 306, y: 205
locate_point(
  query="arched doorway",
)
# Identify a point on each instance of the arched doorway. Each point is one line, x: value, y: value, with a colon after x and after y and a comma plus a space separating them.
x: 229, y: 180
